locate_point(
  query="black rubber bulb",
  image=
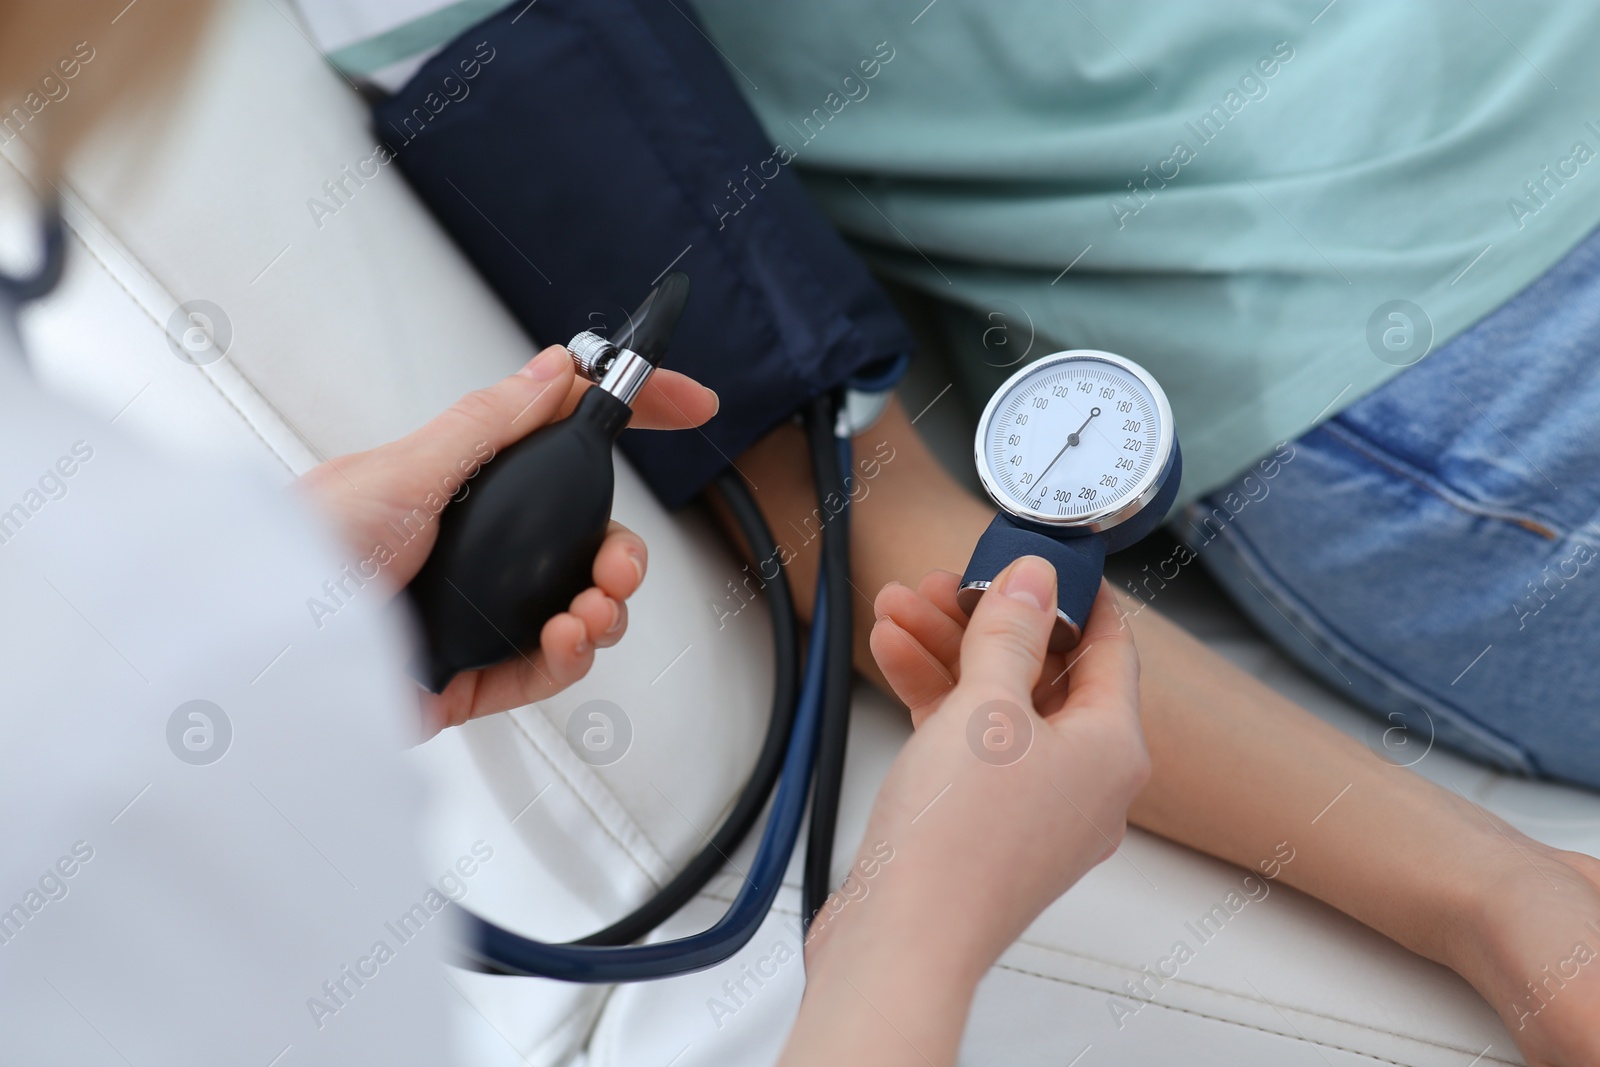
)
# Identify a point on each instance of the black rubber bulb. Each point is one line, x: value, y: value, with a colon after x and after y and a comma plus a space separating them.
x: 521, y: 544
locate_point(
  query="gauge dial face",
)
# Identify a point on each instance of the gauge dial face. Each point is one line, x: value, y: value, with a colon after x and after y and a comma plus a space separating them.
x: 1075, y: 439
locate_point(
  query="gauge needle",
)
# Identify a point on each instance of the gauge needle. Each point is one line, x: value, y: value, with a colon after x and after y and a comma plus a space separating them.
x: 1072, y: 439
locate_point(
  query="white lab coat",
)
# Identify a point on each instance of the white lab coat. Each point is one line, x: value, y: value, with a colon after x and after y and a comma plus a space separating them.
x: 157, y: 905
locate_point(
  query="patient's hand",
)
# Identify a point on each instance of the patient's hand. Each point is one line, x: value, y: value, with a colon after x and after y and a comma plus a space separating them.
x: 991, y: 811
x: 917, y: 643
x: 1531, y: 947
x: 369, y: 494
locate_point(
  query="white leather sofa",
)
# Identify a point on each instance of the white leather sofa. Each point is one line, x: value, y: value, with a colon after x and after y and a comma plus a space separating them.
x: 352, y: 332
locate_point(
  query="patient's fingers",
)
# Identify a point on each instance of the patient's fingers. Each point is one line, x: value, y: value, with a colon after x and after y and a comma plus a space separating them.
x: 917, y: 678
x: 940, y: 589
x: 918, y: 616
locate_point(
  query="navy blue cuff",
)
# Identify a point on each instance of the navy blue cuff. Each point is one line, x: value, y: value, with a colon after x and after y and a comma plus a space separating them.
x: 595, y: 144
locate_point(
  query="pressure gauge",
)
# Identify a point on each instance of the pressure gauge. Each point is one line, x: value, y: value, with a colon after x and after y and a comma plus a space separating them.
x: 1079, y: 452
x: 1080, y: 438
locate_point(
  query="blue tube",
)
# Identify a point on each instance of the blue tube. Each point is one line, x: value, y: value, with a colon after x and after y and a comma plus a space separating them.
x: 506, y: 951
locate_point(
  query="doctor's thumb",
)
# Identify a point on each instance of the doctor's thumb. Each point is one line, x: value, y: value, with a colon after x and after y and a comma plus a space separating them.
x: 1005, y: 643
x: 486, y: 420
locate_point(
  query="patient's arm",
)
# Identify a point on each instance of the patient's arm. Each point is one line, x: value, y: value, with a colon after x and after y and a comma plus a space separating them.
x: 1237, y: 768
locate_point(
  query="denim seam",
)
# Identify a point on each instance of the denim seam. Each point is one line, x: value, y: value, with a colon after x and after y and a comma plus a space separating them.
x: 1357, y: 442
x: 1281, y: 597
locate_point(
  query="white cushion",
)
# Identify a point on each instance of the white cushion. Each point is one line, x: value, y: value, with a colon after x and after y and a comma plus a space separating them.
x: 354, y: 332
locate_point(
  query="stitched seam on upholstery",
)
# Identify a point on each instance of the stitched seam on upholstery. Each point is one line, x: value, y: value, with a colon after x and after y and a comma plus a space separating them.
x: 243, y: 416
x: 580, y: 791
x: 728, y: 898
x: 1252, y: 1000
x: 1002, y: 965
x: 1374, y: 452
x: 80, y: 205
x: 601, y: 1004
x: 577, y: 1025
x: 1219, y: 990
x: 1390, y: 679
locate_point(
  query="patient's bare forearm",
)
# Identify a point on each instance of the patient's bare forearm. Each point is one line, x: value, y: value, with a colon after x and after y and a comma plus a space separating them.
x: 907, y: 516
x: 1239, y: 770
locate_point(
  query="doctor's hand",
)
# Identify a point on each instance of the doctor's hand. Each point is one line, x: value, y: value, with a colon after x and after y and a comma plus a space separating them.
x: 1011, y: 789
x: 403, y: 486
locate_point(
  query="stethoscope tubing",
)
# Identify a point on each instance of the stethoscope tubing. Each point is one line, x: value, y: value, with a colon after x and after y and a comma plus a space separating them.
x: 20, y: 290
x: 501, y: 950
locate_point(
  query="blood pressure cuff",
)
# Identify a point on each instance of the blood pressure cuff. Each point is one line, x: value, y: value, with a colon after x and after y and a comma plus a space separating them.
x: 577, y: 149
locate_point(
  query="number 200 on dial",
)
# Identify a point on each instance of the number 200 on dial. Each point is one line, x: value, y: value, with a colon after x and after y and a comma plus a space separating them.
x: 1079, y: 438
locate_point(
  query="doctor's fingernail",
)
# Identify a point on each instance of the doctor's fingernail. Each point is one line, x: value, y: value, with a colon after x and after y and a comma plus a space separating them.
x: 1032, y: 581
x: 637, y: 559
x: 547, y: 364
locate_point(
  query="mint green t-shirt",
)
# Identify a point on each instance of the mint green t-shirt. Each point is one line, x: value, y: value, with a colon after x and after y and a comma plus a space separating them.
x: 1235, y: 193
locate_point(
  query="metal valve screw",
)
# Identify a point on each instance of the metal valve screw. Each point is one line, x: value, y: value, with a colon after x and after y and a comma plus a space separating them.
x: 592, y: 355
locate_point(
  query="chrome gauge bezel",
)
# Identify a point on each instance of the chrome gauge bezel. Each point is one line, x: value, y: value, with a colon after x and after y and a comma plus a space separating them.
x: 1110, y: 516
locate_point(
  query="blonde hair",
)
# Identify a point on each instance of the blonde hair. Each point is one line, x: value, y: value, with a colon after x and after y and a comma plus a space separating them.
x: 66, y: 64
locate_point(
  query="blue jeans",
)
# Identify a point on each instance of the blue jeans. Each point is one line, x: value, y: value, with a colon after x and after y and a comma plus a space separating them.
x: 1433, y: 551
